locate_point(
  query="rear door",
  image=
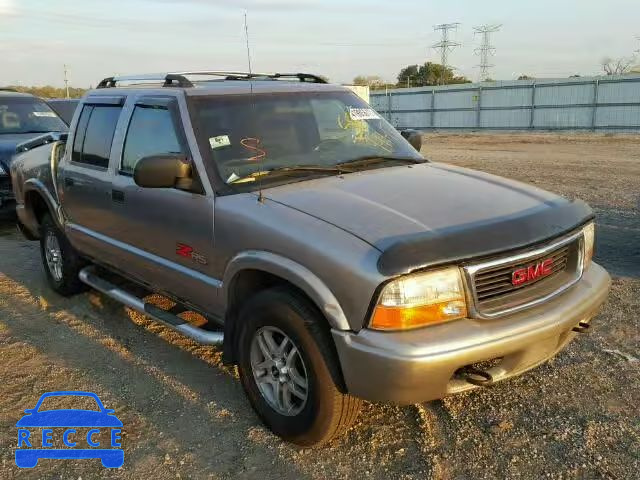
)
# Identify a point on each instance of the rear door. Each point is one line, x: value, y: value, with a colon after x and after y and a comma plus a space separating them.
x: 166, y: 234
x: 85, y: 180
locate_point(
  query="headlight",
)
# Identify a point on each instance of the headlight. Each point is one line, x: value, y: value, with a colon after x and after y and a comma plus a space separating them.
x: 2, y: 171
x: 589, y: 233
x: 422, y: 299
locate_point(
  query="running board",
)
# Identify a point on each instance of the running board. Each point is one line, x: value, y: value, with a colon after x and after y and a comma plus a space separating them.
x: 88, y: 275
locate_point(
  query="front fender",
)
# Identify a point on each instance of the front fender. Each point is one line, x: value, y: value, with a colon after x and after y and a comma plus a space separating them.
x: 293, y: 272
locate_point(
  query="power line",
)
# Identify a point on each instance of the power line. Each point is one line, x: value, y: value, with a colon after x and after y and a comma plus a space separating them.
x: 485, y: 50
x: 445, y: 45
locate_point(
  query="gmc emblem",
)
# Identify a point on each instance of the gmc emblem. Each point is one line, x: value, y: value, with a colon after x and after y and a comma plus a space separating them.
x: 532, y: 272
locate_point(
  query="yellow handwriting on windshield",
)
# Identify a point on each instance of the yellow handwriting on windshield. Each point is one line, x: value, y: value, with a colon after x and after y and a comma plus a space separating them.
x: 363, y: 134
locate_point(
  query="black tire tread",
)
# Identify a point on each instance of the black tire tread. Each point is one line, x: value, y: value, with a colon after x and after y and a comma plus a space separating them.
x: 344, y: 408
x: 72, y: 261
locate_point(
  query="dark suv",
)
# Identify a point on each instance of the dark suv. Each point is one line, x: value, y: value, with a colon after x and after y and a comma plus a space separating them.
x: 22, y: 117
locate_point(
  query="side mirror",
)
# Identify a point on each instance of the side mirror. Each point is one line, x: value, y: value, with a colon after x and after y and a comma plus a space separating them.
x: 163, y: 171
x: 414, y: 137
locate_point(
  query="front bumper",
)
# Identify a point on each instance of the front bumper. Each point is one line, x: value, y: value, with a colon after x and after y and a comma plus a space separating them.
x: 420, y: 365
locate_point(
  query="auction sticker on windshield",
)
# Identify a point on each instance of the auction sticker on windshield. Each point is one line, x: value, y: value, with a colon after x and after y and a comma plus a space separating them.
x: 92, y: 431
x: 219, y: 141
x: 363, y: 114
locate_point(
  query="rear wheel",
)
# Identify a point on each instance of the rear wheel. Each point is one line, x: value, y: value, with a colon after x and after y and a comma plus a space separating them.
x: 289, y: 370
x: 61, y: 262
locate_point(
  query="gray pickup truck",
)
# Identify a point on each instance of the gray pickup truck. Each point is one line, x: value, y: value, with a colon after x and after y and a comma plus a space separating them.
x: 332, y: 262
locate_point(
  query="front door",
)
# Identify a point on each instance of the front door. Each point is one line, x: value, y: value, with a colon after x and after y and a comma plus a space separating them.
x: 165, y: 234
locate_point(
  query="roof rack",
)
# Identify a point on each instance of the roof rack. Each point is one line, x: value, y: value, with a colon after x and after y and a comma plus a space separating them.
x: 179, y: 79
x: 6, y: 89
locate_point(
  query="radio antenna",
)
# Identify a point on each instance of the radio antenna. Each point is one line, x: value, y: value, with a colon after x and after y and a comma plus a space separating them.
x: 246, y: 36
x: 253, y: 107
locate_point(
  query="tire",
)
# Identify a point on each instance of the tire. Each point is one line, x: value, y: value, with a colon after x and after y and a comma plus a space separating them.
x: 64, y: 281
x: 327, y: 412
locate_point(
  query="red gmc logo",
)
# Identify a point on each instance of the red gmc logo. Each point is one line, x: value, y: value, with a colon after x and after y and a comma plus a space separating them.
x: 532, y: 272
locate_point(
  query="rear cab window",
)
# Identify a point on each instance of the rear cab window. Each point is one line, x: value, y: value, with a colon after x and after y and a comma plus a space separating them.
x: 94, y: 134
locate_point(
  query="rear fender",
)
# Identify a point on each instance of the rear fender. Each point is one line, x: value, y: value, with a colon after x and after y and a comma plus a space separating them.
x: 29, y: 217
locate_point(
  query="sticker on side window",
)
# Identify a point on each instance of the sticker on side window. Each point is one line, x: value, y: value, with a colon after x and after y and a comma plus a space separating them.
x: 219, y: 141
x: 44, y: 114
x: 363, y: 114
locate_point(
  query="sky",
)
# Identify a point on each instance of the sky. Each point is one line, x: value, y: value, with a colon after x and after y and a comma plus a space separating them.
x: 336, y: 38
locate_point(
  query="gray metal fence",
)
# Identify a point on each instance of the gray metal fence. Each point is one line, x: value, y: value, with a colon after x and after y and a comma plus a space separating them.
x: 593, y: 103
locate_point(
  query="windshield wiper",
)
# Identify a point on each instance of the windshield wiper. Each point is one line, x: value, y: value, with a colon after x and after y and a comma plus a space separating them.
x: 312, y: 168
x: 381, y: 158
x: 334, y: 170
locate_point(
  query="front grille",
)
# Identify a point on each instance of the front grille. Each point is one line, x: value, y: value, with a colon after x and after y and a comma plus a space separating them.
x: 495, y: 282
x: 493, y: 288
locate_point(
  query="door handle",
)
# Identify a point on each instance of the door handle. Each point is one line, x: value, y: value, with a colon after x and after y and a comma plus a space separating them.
x: 68, y: 182
x: 117, y: 196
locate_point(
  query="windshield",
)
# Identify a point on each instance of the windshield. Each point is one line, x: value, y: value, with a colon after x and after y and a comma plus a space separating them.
x: 28, y: 115
x: 254, y: 137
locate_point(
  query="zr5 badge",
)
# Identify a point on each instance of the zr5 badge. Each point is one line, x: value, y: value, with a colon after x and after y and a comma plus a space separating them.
x: 187, y: 251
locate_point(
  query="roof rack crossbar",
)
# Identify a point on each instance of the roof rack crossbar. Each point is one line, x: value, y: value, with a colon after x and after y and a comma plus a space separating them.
x: 303, y: 77
x: 179, y: 79
x: 167, y: 79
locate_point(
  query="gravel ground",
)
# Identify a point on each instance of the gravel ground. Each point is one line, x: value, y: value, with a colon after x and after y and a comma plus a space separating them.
x: 185, y: 416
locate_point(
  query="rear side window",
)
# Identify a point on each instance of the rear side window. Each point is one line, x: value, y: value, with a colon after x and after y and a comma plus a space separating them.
x: 151, y: 132
x: 80, y: 131
x: 94, y: 135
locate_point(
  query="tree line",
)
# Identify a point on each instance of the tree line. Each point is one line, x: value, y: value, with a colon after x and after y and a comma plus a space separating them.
x: 424, y: 75
x: 431, y: 74
x: 48, y: 91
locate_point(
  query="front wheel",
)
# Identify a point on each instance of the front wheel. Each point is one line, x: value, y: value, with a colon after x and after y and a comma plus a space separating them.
x: 289, y: 370
x: 60, y: 260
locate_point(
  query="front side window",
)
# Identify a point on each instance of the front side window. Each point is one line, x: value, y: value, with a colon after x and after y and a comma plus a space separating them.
x: 28, y: 115
x: 98, y: 136
x: 151, y: 132
x: 264, y: 135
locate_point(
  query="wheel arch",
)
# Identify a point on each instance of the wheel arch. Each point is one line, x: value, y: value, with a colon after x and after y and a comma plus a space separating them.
x: 37, y: 202
x: 251, y: 272
x: 291, y: 272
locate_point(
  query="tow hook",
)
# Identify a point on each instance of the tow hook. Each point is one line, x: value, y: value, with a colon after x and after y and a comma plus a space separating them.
x: 582, y: 327
x: 475, y: 376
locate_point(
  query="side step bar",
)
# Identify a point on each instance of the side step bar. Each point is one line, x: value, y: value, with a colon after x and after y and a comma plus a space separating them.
x: 88, y: 275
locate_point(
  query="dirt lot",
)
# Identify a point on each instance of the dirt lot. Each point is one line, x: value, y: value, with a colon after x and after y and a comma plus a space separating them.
x: 185, y: 416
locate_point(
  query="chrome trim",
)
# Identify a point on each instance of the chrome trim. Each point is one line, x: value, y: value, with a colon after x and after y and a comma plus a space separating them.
x: 88, y: 275
x: 470, y: 272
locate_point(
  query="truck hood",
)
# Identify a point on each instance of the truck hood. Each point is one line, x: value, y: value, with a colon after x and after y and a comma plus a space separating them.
x: 421, y: 212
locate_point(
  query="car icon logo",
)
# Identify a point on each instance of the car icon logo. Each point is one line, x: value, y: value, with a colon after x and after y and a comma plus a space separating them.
x: 81, y: 433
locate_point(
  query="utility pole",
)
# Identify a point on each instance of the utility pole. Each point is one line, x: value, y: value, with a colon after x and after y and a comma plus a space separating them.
x: 66, y: 81
x: 445, y: 45
x: 486, y: 49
